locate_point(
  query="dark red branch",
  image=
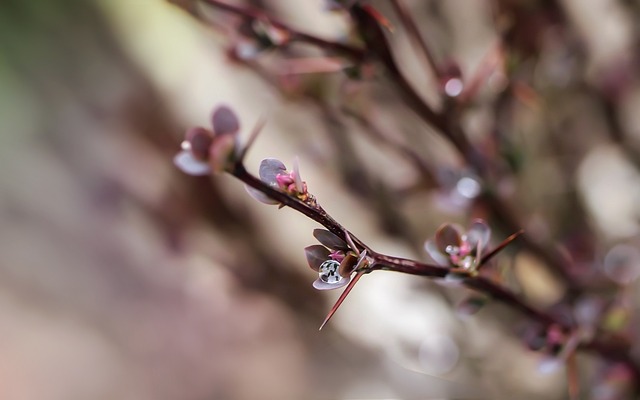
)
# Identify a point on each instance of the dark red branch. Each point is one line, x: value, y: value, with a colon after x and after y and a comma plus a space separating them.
x: 252, y: 14
x: 607, y: 350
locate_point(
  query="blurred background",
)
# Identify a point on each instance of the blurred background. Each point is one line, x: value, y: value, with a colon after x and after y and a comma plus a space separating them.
x: 123, y: 278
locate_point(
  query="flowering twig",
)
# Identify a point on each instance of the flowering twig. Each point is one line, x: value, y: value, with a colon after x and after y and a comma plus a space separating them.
x: 206, y: 151
x: 386, y: 262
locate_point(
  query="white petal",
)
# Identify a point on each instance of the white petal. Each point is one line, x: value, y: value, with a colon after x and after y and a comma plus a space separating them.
x: 479, y: 234
x: 321, y: 285
x: 296, y: 174
x: 432, y: 250
x: 190, y: 165
x: 261, y: 197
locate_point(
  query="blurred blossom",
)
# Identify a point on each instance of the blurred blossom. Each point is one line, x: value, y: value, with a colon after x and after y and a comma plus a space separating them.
x: 205, y: 151
x: 455, y: 247
x: 438, y: 354
x: 622, y: 264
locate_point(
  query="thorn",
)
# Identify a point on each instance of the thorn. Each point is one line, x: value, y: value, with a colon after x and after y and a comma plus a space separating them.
x: 343, y: 296
x: 500, y: 247
x: 252, y: 137
x: 572, y: 377
x: 377, y: 15
x: 350, y: 242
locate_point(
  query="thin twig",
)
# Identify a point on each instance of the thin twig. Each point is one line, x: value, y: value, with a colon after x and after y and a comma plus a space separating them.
x: 353, y: 53
x: 405, y: 16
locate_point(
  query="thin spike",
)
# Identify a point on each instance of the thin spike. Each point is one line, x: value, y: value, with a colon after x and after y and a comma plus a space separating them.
x: 573, y: 383
x: 341, y: 299
x: 350, y: 242
x: 379, y: 17
x: 252, y: 137
x: 500, y: 247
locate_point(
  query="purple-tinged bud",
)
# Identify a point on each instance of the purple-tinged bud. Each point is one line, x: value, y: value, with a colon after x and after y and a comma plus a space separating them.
x: 284, y: 181
x: 224, y: 121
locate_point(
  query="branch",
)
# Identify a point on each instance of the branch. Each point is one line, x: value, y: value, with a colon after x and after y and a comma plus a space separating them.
x: 606, y: 350
x: 354, y: 53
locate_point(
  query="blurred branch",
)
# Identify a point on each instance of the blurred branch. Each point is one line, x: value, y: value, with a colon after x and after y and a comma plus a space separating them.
x: 403, y: 13
x: 354, y: 53
x: 375, y: 133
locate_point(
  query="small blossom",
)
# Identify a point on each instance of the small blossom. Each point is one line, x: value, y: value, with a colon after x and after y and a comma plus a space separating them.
x: 334, y: 261
x: 274, y: 173
x: 338, y: 263
x: 456, y: 248
x: 205, y: 151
